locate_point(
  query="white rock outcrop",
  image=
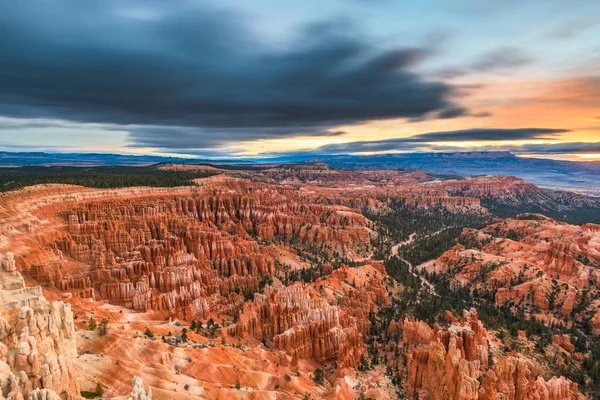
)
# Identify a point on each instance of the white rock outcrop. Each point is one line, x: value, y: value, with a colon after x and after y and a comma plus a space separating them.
x: 138, y: 393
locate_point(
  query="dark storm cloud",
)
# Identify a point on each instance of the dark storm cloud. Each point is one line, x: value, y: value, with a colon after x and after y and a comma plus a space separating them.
x: 486, y: 134
x: 563, y: 148
x: 453, y: 112
x: 177, y: 137
x: 198, y: 76
x: 420, y: 141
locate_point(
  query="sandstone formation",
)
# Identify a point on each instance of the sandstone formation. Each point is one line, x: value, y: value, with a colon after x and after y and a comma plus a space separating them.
x: 306, y: 322
x: 182, y: 253
x: 37, y: 341
x: 453, y: 363
x: 195, y: 253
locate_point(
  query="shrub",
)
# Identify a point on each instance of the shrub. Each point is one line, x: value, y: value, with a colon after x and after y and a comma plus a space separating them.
x: 99, y: 390
x: 103, y: 327
x: 318, y: 376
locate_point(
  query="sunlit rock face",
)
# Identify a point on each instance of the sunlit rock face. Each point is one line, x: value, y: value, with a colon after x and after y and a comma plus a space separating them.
x: 309, y: 322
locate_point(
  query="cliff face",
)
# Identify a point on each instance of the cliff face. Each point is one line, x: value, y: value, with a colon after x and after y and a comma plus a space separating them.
x: 453, y: 363
x: 37, y: 341
x: 498, y: 187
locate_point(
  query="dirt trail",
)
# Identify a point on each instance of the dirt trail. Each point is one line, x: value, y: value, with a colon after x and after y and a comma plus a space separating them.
x: 411, y: 268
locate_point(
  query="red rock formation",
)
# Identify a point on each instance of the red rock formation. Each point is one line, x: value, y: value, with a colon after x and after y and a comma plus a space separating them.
x: 514, y: 377
x: 449, y: 365
x: 563, y: 341
x: 300, y: 320
x: 37, y: 346
x: 169, y: 251
x: 454, y: 361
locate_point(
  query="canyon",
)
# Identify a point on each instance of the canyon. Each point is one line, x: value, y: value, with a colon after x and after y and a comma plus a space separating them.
x: 276, y: 283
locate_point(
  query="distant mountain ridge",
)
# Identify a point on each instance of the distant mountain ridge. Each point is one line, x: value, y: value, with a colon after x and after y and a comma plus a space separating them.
x: 18, y: 159
x: 547, y: 173
x: 556, y: 174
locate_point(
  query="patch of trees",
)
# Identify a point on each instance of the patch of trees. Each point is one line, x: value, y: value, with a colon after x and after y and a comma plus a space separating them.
x: 569, y: 208
x: 318, y: 376
x: 97, y: 177
x: 398, y: 224
x: 98, y: 392
x: 428, y: 247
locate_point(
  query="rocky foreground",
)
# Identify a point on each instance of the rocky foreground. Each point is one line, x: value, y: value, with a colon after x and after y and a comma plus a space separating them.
x: 276, y: 284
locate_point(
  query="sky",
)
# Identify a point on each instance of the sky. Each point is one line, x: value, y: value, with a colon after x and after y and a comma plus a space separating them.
x: 263, y: 78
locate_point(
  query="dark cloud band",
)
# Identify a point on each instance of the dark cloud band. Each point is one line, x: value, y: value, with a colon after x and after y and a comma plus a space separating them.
x: 419, y: 141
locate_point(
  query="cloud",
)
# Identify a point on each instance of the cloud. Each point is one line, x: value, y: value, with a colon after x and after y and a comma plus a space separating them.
x: 399, y: 145
x: 424, y: 141
x: 177, y: 137
x: 452, y: 72
x: 563, y: 148
x: 572, y: 28
x: 499, y: 60
x: 487, y: 134
x: 181, y: 74
x: 502, y: 59
x: 535, y: 148
x: 17, y: 124
x: 370, y: 146
x: 33, y: 147
x: 457, y: 112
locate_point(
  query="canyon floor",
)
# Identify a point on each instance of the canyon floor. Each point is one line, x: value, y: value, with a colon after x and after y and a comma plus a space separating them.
x: 300, y: 282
